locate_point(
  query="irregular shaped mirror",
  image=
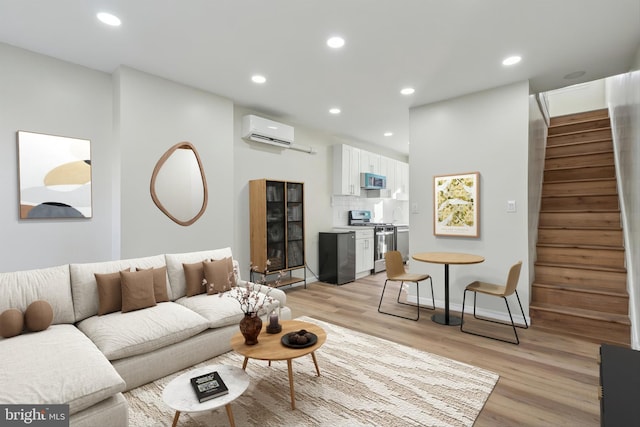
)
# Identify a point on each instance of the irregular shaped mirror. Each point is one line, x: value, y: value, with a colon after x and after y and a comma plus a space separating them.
x: 178, y: 184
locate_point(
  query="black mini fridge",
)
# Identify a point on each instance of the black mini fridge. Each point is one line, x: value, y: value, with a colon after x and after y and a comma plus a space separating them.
x: 337, y: 255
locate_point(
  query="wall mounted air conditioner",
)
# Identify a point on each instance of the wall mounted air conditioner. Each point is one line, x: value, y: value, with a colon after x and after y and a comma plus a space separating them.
x: 264, y: 130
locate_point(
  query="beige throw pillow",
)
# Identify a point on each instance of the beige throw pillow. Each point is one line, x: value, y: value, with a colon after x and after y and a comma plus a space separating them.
x: 137, y: 290
x: 159, y: 283
x: 193, y: 275
x: 109, y: 292
x: 219, y: 275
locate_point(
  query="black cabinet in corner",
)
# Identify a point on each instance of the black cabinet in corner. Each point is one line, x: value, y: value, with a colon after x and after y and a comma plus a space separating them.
x: 619, y: 386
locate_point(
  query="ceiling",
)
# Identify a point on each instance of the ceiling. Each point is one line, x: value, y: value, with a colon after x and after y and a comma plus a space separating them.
x: 441, y: 48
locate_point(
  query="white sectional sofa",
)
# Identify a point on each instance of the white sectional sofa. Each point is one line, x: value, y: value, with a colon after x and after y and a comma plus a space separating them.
x: 87, y: 360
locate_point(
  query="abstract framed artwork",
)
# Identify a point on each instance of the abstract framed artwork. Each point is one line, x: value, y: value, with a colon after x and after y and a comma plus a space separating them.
x: 456, y: 205
x: 54, y: 175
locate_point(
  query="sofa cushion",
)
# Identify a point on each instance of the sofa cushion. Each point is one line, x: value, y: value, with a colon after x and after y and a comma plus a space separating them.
x: 83, y: 281
x: 222, y: 309
x: 38, y: 316
x: 21, y: 288
x: 109, y: 292
x: 193, y: 276
x: 119, y: 335
x: 219, y: 275
x: 137, y: 290
x: 175, y: 270
x: 76, y: 373
x: 159, y: 283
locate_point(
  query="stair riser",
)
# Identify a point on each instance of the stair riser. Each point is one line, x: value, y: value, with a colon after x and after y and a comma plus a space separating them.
x: 587, y: 301
x: 572, y: 203
x: 579, y: 187
x: 580, y: 173
x: 581, y: 126
x: 586, y: 257
x: 581, y: 237
x: 579, y: 219
x: 580, y: 117
x: 585, y: 279
x: 584, y: 147
x: 579, y: 137
x: 596, y: 159
x: 588, y: 328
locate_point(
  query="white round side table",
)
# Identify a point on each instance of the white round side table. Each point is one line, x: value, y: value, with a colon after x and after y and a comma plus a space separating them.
x: 179, y: 394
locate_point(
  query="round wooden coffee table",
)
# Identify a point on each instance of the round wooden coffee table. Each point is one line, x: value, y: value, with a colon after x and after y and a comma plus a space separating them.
x: 270, y: 347
x: 181, y: 397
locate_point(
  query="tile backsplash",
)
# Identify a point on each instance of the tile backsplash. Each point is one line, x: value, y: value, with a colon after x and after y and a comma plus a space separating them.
x: 382, y: 210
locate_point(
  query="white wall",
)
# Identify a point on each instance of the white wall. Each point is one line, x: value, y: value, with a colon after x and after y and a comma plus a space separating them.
x: 623, y: 94
x: 485, y: 132
x: 577, y: 98
x: 256, y: 161
x: 46, y: 95
x: 153, y: 114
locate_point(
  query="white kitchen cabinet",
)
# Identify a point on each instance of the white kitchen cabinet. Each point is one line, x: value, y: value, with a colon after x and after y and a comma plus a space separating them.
x: 364, y: 252
x: 388, y: 169
x: 402, y: 181
x: 369, y: 162
x: 346, y: 170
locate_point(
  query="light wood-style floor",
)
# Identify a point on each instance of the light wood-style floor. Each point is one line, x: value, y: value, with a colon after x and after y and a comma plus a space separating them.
x: 547, y: 380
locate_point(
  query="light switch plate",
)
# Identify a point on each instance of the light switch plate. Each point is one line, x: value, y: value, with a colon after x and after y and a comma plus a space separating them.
x: 511, y: 205
x: 414, y: 208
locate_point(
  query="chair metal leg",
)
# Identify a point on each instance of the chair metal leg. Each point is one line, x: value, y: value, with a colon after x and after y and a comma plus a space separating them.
x: 417, y: 305
x: 513, y: 325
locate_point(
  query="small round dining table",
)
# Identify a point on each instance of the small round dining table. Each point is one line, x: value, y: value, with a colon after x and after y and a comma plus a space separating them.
x: 447, y: 258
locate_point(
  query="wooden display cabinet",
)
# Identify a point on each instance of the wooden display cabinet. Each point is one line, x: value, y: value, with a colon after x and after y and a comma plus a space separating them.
x: 277, y: 231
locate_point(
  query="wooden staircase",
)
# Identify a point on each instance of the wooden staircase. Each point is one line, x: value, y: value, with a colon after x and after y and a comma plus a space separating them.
x: 580, y: 285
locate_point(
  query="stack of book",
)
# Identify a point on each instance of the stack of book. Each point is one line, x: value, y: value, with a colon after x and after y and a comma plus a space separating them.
x: 209, y: 386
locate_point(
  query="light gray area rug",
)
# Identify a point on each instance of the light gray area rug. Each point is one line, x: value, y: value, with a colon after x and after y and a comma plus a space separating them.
x: 364, y: 381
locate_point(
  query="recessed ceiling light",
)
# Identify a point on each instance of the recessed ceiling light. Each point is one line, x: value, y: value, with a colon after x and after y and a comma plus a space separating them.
x: 511, y: 60
x: 334, y: 111
x: 407, y: 91
x: 388, y: 134
x: 109, y: 19
x: 258, y: 79
x: 335, y: 42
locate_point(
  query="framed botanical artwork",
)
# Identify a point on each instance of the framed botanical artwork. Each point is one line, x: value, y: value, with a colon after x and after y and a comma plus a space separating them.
x: 55, y: 176
x: 456, y: 205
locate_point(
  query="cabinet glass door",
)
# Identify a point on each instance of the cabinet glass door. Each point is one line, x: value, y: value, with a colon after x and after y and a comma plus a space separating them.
x: 295, y: 225
x: 276, y: 221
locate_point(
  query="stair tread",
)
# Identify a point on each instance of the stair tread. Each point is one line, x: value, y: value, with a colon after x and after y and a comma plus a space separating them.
x: 556, y: 196
x: 581, y: 180
x: 582, y: 266
x: 570, y: 211
x: 566, y: 144
x: 576, y: 227
x: 580, y: 312
x: 586, y: 153
x: 578, y: 289
x: 599, y: 114
x: 599, y: 165
x: 580, y: 131
x: 568, y: 246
